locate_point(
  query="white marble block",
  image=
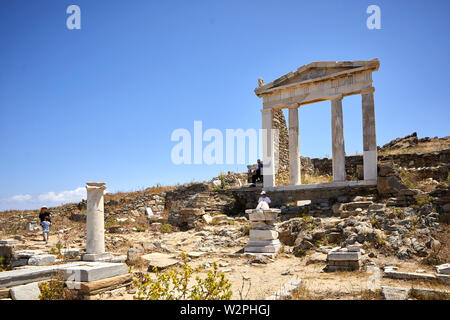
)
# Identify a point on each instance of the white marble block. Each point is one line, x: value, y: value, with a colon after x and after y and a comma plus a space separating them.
x: 263, y: 235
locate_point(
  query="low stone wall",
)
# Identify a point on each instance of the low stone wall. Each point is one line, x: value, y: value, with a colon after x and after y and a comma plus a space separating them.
x: 323, y: 166
x: 248, y: 197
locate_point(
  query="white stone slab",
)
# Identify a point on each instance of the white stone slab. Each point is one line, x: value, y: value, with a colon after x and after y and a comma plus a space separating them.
x: 264, y: 243
x: 344, y: 256
x: 9, y: 241
x: 27, y: 253
x: 443, y: 269
x: 263, y: 235
x: 94, y: 271
x: 42, y: 260
x: 262, y: 249
x: 29, y: 274
x: 159, y: 260
x: 26, y: 292
x: 392, y: 293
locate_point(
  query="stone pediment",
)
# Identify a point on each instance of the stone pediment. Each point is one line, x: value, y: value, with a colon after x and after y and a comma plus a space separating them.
x: 317, y: 71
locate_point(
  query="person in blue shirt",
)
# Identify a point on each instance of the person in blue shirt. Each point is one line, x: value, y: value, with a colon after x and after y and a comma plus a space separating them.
x: 258, y: 172
x: 46, y: 228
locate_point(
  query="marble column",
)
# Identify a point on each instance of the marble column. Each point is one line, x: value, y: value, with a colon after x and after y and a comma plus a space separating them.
x: 268, y: 148
x: 95, y: 223
x: 369, y: 134
x: 294, y: 148
x: 338, y: 146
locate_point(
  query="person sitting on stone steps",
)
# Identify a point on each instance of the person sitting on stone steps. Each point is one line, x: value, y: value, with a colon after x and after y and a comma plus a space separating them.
x: 264, y: 198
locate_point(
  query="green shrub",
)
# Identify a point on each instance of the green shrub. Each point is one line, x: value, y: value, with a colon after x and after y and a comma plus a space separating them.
x: 166, y: 228
x: 173, y: 285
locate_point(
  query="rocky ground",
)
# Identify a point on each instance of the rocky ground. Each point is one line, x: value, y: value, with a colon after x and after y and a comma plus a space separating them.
x: 404, y: 224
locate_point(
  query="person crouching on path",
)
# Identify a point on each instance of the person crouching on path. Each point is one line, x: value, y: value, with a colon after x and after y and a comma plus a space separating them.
x: 44, y: 213
x: 46, y: 228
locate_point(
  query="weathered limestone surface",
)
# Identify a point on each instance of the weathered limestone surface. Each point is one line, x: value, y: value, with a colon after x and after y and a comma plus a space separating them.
x: 337, y: 132
x: 159, y: 260
x: 443, y: 269
x: 94, y: 271
x: 97, y: 285
x: 95, y: 223
x: 74, y: 271
x: 42, y: 260
x: 26, y: 292
x: 392, y: 293
x: 344, y: 258
x: 286, y: 291
x: 294, y: 148
x: 268, y: 148
x: 281, y: 151
x: 369, y: 135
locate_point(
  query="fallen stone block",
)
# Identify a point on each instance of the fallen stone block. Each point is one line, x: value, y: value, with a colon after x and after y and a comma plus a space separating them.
x: 430, y: 294
x: 42, y: 260
x: 30, y: 274
x: 287, y: 290
x: 26, y: 292
x: 19, y: 262
x: 347, y: 256
x: 408, y: 275
x: 159, y: 260
x: 9, y: 242
x: 392, y: 293
x: 27, y: 254
x: 97, y: 285
x: 443, y: 269
x: 444, y: 278
x: 340, y: 263
x: 94, y: 271
x: 70, y: 253
x: 357, y: 204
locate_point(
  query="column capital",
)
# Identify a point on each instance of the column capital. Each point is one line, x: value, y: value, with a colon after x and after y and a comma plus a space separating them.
x: 367, y: 90
x: 264, y: 110
x: 95, y: 185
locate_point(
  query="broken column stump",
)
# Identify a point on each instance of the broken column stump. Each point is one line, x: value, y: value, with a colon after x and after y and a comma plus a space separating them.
x: 263, y: 236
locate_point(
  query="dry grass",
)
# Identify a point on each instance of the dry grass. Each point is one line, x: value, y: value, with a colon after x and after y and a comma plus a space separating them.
x: 314, y: 179
x: 422, y: 147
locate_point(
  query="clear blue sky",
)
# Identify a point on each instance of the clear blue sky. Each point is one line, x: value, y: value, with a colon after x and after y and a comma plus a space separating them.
x: 100, y: 103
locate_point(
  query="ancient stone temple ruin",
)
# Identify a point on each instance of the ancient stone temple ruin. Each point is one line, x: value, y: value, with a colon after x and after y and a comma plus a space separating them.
x: 315, y: 82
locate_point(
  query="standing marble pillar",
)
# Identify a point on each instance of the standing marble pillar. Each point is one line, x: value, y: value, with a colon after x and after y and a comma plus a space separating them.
x: 338, y: 146
x: 294, y: 148
x: 268, y: 148
x: 369, y: 134
x: 95, y: 223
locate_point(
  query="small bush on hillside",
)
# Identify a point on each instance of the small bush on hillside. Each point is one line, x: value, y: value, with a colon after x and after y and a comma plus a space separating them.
x: 173, y: 285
